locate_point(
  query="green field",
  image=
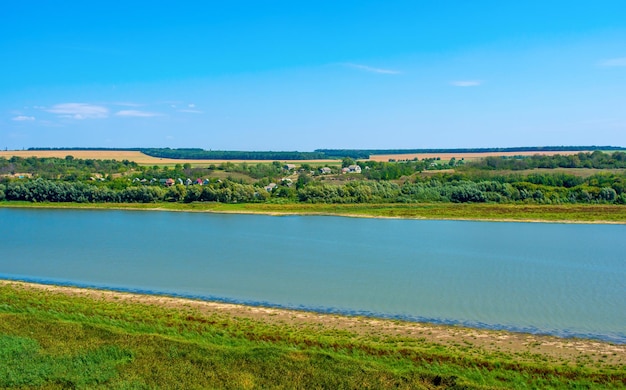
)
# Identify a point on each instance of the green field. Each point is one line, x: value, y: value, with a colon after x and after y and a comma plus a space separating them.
x: 71, y: 340
x: 605, y: 213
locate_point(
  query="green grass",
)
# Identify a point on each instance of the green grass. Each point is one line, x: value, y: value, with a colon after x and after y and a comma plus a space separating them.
x: 482, y: 211
x: 50, y: 340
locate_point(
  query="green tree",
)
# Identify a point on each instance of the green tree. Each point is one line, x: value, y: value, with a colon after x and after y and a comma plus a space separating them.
x: 347, y: 161
x: 303, y: 180
x: 176, y: 193
x: 194, y: 193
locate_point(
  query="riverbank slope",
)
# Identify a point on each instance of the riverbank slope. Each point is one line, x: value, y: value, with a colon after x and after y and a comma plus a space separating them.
x: 57, y: 336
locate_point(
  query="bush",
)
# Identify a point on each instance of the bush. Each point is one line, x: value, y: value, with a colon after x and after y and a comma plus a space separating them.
x: 465, y: 193
x: 608, y: 194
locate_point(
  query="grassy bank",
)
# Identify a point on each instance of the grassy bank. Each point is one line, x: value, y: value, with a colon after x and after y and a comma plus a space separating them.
x: 598, y: 213
x: 67, y: 339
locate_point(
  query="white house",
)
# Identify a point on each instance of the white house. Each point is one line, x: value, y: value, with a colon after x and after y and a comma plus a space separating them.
x: 352, y: 169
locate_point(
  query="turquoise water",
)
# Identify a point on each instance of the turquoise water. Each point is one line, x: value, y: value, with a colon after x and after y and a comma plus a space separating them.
x: 563, y: 279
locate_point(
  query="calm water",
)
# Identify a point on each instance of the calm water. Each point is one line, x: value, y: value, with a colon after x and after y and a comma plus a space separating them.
x: 563, y: 279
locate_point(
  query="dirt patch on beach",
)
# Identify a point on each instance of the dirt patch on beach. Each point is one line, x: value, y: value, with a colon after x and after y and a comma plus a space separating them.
x: 569, y: 351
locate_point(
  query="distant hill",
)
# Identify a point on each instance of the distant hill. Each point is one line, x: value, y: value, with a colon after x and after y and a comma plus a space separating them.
x: 319, y: 154
x: 366, y: 153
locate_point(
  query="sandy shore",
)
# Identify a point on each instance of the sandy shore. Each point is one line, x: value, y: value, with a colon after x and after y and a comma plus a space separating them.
x: 567, y: 350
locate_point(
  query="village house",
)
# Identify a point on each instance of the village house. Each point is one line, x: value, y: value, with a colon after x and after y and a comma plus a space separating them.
x: 351, y: 169
x: 289, y: 167
x: 354, y: 169
x: 270, y: 187
x: 325, y: 170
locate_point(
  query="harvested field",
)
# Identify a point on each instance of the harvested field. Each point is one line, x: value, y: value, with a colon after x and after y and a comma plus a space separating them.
x: 466, y: 156
x: 82, y: 154
x: 144, y: 159
x: 138, y: 157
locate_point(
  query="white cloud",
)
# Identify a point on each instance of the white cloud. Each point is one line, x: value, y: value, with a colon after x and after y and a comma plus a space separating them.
x: 191, y: 105
x: 79, y: 111
x: 23, y: 118
x: 371, y: 69
x: 466, y: 83
x: 128, y: 104
x: 136, y: 113
x: 613, y: 62
x: 190, y: 111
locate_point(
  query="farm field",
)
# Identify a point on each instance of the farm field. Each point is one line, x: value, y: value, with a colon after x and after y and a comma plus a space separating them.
x: 138, y: 157
x: 143, y: 159
x: 466, y: 156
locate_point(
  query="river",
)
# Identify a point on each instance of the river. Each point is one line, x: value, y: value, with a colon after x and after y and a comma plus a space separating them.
x: 560, y: 279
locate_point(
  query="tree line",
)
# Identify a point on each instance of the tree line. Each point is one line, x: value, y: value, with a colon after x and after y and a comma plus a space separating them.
x: 595, y: 159
x: 317, y: 154
x: 366, y: 153
x: 44, y: 190
x: 603, y: 189
x: 201, y: 154
x: 68, y: 168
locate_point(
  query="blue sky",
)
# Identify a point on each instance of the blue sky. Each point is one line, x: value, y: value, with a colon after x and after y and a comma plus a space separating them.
x: 288, y: 75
